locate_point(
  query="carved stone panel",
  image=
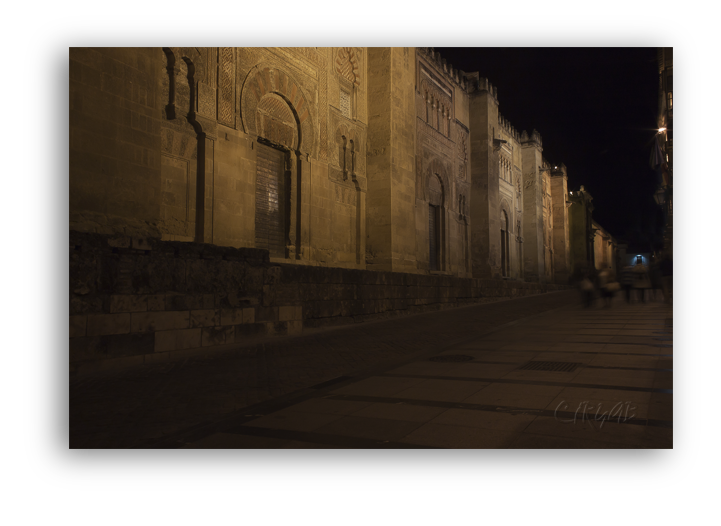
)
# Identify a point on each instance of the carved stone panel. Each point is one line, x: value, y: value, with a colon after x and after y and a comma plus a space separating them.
x: 263, y: 80
x: 347, y: 65
x: 206, y: 100
x: 462, y: 153
x: 275, y: 121
x: 226, y: 82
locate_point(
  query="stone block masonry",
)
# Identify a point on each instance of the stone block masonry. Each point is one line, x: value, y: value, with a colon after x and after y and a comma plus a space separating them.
x: 132, y: 306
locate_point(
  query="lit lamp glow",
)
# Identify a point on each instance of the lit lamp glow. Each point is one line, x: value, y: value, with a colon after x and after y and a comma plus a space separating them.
x: 661, y: 130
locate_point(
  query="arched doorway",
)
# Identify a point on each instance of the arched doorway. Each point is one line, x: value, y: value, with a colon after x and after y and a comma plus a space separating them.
x: 436, y: 237
x: 277, y: 130
x: 271, y: 196
x: 275, y: 110
x: 505, y: 256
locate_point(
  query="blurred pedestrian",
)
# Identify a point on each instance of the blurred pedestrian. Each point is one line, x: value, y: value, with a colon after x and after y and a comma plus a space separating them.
x: 613, y: 286
x: 641, y: 281
x: 627, y: 281
x: 604, y: 281
x: 586, y: 287
x: 656, y: 280
x: 666, y: 277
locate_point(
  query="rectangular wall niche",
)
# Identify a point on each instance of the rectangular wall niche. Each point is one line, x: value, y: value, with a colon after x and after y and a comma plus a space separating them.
x: 269, y: 201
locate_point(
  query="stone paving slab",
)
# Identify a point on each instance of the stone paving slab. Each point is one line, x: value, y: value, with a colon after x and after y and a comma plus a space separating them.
x: 141, y: 407
x: 390, y: 395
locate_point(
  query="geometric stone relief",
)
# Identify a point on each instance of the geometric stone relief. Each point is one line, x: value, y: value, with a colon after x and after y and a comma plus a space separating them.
x: 275, y: 121
x: 323, y: 107
x: 346, y: 65
x: 268, y: 80
x: 429, y: 139
x: 462, y: 153
x: 438, y: 108
x: 307, y: 66
x: 226, y: 82
x: 206, y: 100
x: 345, y: 104
x: 437, y: 183
x: 308, y: 53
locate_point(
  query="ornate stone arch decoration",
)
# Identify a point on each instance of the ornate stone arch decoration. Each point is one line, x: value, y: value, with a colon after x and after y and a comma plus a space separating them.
x: 275, y: 121
x: 505, y: 207
x: 436, y: 194
x: 348, y: 71
x: 437, y: 169
x: 263, y: 81
x: 505, y: 220
x: 346, y: 65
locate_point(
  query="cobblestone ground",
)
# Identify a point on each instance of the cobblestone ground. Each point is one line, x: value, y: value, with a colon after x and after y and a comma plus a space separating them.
x: 133, y: 408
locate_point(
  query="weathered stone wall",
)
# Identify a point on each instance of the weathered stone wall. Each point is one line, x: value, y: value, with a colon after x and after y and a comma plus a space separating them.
x: 442, y: 162
x: 115, y: 120
x: 391, y: 243
x: 338, y: 296
x: 561, y: 248
x: 510, y: 191
x: 164, y: 144
x: 579, y: 224
x: 548, y: 254
x: 485, y: 206
x: 533, y: 254
x: 139, y: 299
x: 135, y: 301
x: 599, y: 250
x: 379, y: 200
x: 605, y: 248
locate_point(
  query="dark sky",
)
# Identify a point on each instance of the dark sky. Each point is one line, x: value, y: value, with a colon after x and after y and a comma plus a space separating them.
x: 595, y: 109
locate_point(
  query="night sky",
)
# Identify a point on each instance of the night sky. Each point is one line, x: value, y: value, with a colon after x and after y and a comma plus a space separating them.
x: 595, y: 109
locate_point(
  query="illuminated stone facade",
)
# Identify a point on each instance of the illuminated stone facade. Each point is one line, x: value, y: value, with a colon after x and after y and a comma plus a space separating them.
x: 382, y: 159
x: 605, y: 249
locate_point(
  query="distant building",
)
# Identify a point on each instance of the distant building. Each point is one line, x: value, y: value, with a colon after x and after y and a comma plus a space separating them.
x: 605, y: 248
x: 664, y: 194
x: 581, y: 230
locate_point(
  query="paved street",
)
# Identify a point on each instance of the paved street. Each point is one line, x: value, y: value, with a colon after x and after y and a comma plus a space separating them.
x: 536, y: 372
